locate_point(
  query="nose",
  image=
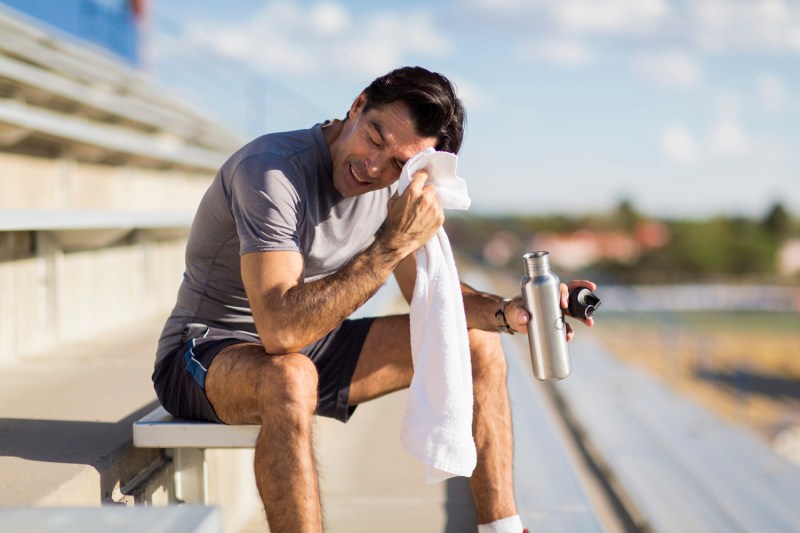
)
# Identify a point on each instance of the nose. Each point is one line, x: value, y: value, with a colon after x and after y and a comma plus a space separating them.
x: 375, y: 165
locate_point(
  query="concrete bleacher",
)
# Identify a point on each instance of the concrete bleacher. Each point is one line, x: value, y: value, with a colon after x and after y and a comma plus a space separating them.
x: 673, y: 464
x: 65, y: 421
x: 52, y: 73
x: 370, y: 483
x: 185, y: 519
x: 100, y: 173
x: 66, y: 417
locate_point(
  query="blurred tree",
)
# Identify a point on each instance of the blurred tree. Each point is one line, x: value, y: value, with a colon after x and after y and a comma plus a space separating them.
x: 777, y: 222
x: 749, y: 249
x: 697, y: 250
x: 626, y: 215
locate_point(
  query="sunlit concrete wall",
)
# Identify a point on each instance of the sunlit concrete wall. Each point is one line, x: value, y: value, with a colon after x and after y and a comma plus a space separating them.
x: 28, y: 182
x: 53, y: 291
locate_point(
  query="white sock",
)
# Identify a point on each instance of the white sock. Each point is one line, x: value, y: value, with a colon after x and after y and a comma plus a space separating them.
x: 512, y: 524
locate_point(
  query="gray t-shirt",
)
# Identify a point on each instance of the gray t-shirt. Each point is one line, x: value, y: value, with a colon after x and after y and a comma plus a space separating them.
x: 275, y: 193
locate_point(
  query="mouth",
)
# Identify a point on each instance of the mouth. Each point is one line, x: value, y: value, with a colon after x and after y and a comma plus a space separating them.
x: 359, y: 182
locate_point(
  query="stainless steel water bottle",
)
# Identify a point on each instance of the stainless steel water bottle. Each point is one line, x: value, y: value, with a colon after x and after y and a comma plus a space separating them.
x: 547, y: 331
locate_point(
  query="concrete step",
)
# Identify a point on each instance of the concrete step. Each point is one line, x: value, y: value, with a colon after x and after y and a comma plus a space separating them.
x: 675, y: 465
x: 65, y: 419
x: 183, y: 519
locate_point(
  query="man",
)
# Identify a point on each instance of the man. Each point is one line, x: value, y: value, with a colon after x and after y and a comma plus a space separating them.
x: 295, y: 233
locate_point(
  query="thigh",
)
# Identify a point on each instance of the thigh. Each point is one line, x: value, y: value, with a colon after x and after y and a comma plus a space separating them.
x: 238, y: 379
x: 384, y: 364
x: 244, y: 381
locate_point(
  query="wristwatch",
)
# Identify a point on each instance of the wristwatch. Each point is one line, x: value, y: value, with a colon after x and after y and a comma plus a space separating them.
x: 500, y: 316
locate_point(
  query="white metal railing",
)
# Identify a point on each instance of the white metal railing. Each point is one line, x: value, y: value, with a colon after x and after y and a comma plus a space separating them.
x: 75, y: 219
x: 701, y: 297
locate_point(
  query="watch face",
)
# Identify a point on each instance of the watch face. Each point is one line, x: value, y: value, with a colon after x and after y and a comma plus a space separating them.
x: 500, y: 316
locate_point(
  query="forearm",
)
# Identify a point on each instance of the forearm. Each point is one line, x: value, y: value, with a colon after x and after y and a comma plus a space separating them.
x: 480, y: 308
x: 310, y: 310
x: 290, y: 314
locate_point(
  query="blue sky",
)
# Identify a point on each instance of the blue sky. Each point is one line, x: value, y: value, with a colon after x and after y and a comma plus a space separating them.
x: 687, y: 108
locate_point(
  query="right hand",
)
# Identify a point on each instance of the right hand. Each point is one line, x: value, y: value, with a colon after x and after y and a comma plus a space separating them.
x: 516, y: 315
x: 415, y: 216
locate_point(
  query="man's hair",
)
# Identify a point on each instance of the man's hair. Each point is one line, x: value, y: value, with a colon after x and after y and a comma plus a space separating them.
x: 431, y: 100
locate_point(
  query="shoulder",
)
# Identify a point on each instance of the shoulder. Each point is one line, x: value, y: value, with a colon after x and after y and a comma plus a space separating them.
x: 287, y: 156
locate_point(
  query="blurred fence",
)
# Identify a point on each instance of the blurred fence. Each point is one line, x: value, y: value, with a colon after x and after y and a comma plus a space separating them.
x: 701, y: 297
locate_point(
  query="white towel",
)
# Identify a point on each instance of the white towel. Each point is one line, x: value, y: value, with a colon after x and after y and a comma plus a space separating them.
x: 437, y: 425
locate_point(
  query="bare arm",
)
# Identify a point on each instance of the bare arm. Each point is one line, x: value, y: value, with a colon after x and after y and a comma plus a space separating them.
x: 480, y: 307
x: 290, y: 314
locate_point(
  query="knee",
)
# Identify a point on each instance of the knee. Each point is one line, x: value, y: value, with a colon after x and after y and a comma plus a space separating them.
x: 488, y: 359
x: 290, y: 390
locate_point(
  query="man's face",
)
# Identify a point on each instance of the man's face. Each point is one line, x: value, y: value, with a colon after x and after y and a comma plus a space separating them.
x: 373, y: 146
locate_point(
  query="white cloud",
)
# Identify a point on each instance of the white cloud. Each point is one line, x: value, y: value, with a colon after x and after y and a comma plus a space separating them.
x: 728, y: 137
x: 609, y: 16
x: 679, y: 145
x: 576, y: 17
x: 670, y: 67
x: 329, y: 18
x: 500, y: 5
x: 728, y: 105
x: 566, y: 52
x: 472, y: 94
x: 320, y: 39
x: 722, y: 26
x: 710, y: 26
x: 771, y: 91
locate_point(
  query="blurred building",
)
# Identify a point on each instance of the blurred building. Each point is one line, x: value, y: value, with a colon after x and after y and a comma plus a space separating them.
x: 789, y: 258
x: 578, y: 249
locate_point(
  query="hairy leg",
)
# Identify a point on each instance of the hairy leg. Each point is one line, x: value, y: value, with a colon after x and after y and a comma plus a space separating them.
x: 492, y: 481
x: 247, y: 386
x: 385, y: 366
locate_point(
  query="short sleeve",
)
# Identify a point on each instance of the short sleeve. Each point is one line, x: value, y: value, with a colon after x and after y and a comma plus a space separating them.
x: 266, y: 205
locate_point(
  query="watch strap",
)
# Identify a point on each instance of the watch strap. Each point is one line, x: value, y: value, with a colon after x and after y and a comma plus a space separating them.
x: 500, y: 316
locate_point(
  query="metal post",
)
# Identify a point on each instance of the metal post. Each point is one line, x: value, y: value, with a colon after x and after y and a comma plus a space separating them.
x: 191, y: 475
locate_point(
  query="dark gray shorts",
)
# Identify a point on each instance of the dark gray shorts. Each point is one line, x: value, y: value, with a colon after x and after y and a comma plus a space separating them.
x: 179, y: 378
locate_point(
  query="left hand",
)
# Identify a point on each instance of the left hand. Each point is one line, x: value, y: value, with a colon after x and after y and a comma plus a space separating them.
x: 565, y: 289
x: 518, y: 317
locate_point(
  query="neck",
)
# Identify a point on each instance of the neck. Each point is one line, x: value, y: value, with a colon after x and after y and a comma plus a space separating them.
x: 331, y: 132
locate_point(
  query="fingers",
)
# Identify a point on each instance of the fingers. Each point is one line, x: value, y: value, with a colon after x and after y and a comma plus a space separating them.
x: 418, y: 181
x: 570, y: 332
x: 582, y: 283
x: 565, y: 290
x: 518, y: 318
x: 564, y: 296
x: 392, y: 200
x: 415, y: 216
x: 516, y: 315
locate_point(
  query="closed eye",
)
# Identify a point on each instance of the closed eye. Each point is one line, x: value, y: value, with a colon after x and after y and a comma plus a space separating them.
x: 372, y: 141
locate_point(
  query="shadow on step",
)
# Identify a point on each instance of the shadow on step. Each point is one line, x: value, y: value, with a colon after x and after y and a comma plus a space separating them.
x: 97, y: 444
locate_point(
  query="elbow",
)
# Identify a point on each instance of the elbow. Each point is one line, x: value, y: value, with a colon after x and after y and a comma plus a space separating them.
x: 279, y: 342
x: 278, y: 336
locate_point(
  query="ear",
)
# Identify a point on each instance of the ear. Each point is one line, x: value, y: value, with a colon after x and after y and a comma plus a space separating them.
x: 358, y: 105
